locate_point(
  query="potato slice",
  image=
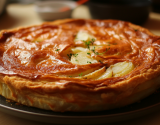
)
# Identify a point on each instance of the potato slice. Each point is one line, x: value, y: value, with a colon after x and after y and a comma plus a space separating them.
x: 107, y: 74
x: 122, y: 68
x: 84, y: 36
x: 79, y: 49
x: 116, y: 70
x: 82, y: 58
x: 95, y: 74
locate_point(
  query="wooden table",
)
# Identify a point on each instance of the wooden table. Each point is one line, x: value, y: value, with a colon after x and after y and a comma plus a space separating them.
x: 24, y: 15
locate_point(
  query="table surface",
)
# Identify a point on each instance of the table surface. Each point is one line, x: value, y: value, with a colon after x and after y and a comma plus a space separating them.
x: 24, y: 15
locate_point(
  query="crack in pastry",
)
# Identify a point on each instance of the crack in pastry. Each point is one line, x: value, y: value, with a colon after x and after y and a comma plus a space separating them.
x: 79, y: 65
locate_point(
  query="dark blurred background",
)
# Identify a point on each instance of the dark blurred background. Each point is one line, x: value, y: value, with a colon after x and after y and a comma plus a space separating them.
x: 154, y: 3
x: 135, y: 11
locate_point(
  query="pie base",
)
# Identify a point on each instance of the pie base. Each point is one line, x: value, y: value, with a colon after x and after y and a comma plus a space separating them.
x: 72, y: 102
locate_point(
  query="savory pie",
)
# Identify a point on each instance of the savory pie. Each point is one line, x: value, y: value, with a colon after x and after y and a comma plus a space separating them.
x: 79, y: 65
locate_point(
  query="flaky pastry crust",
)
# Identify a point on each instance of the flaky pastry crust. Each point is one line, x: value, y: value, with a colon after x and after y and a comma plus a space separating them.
x: 36, y: 71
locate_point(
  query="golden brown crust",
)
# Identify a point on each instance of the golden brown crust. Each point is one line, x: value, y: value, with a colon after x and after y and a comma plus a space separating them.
x: 47, y: 80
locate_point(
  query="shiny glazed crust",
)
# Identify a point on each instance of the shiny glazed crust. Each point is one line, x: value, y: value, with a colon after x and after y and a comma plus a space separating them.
x: 58, y: 91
